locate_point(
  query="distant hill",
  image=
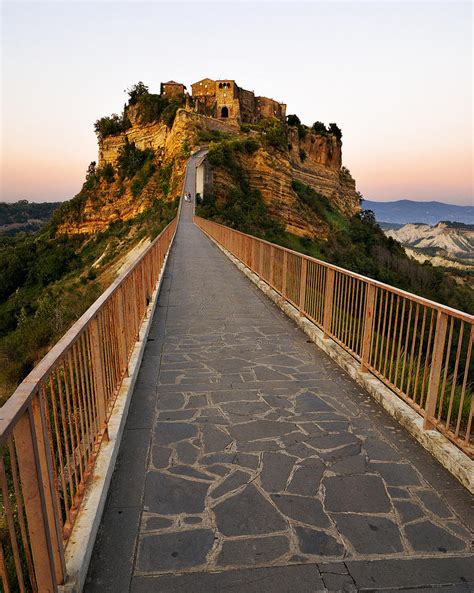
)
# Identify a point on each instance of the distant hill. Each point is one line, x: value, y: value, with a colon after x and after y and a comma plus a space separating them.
x: 409, y: 211
x: 24, y: 216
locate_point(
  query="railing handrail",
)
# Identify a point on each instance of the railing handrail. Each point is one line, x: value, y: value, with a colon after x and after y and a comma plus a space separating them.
x: 16, y: 404
x: 404, y: 293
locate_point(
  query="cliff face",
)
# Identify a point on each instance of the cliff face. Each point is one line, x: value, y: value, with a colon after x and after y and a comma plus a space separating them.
x: 112, y: 201
x: 314, y: 160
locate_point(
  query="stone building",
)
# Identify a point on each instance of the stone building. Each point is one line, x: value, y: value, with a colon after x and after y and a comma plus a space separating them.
x: 172, y: 88
x: 224, y: 99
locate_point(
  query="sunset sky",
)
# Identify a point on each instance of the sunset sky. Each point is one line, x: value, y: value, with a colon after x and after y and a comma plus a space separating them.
x: 396, y: 77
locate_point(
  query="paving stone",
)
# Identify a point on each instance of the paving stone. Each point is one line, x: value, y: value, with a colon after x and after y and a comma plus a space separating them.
x: 308, y: 402
x: 266, y: 374
x: 317, y: 543
x: 214, y: 439
x: 355, y: 464
x: 396, y: 474
x: 408, y: 511
x: 278, y: 401
x: 260, y: 446
x: 197, y: 401
x: 174, y: 551
x: 160, y: 456
x: 369, y: 534
x: 174, y: 415
x: 187, y: 453
x: 252, y: 551
x: 339, y: 582
x: 419, y: 572
x: 234, y: 458
x: 172, y: 432
x: 398, y: 492
x: 190, y: 472
x: 307, y: 477
x: 192, y: 520
x: 333, y: 441
x: 236, y: 395
x: 171, y: 495
x: 154, y: 523
x: 433, y: 503
x: 359, y: 494
x: 247, y: 513
x: 244, y: 409
x: 381, y: 450
x: 275, y: 579
x: 276, y: 471
x: 333, y: 568
x: 351, y: 450
x: 260, y: 429
x: 428, y: 537
x: 302, y: 508
x: 232, y: 482
x: 169, y: 401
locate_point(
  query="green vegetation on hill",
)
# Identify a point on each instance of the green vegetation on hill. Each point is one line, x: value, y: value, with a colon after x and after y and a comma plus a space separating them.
x: 49, y: 279
x: 150, y: 108
x: 24, y: 216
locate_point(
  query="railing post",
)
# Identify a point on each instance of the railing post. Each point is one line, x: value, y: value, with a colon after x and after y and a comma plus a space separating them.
x: 99, y: 375
x: 49, y: 482
x: 284, y: 272
x: 26, y: 447
x: 304, y: 273
x: 435, y: 374
x: 122, y: 345
x: 367, y: 326
x: 272, y: 266
x: 328, y: 299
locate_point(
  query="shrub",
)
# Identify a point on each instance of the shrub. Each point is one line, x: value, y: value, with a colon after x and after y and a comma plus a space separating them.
x: 335, y: 130
x: 115, y: 124
x: 293, y: 120
x: 107, y: 172
x: 319, y: 128
x: 131, y: 159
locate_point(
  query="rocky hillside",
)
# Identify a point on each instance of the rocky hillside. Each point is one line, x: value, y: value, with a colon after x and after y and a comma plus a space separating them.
x: 448, y: 240
x: 143, y: 151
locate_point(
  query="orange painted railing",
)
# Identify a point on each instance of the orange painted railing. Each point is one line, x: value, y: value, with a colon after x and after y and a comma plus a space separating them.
x: 420, y: 349
x: 52, y: 426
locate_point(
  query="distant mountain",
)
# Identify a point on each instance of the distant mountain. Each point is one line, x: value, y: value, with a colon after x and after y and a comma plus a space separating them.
x: 409, y: 211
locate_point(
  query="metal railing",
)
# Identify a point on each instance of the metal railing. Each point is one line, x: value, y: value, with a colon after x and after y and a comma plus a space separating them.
x: 52, y: 426
x: 420, y: 349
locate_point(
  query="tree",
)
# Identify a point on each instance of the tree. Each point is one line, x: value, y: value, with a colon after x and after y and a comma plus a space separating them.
x: 293, y: 120
x: 319, y: 127
x: 335, y: 130
x: 137, y: 91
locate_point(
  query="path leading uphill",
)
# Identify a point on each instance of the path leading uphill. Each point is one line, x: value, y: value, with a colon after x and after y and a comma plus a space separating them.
x: 251, y: 463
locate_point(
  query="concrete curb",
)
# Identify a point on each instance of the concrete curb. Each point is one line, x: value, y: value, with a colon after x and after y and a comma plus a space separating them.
x: 452, y: 458
x: 81, y: 543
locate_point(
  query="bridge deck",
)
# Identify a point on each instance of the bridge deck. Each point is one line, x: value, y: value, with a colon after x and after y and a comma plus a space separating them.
x: 250, y: 462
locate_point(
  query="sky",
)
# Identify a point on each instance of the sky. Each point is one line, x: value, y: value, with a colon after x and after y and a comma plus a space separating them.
x: 395, y: 76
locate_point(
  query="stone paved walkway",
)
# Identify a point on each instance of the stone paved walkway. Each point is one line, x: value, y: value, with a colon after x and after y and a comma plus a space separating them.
x: 251, y: 463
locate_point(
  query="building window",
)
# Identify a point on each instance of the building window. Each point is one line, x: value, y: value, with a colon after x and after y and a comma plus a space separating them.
x: 225, y: 112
